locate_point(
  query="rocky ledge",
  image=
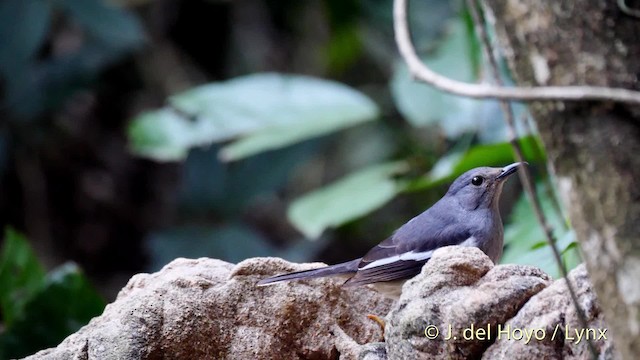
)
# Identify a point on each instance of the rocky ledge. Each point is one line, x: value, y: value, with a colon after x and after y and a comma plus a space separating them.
x: 461, y: 306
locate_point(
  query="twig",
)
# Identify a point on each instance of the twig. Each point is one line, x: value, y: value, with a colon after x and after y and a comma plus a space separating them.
x: 548, y: 186
x: 524, y: 171
x: 562, y: 93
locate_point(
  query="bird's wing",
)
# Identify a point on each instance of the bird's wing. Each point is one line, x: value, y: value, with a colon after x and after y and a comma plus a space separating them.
x: 402, y: 255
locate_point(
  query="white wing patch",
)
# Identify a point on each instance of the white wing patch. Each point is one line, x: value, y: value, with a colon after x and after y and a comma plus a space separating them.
x: 471, y: 241
x: 415, y: 256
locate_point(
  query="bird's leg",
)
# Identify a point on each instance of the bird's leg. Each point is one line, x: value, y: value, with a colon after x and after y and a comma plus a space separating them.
x: 380, y: 321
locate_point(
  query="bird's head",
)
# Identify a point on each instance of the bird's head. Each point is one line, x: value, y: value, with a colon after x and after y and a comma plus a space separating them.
x: 480, y: 188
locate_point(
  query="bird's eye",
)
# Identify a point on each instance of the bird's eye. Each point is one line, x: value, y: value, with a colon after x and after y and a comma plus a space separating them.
x: 477, y: 180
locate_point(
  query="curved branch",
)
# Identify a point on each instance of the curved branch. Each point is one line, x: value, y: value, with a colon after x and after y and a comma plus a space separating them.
x: 627, y: 10
x: 421, y: 72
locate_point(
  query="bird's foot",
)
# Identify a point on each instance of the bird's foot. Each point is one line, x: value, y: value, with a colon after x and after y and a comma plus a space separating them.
x: 380, y: 321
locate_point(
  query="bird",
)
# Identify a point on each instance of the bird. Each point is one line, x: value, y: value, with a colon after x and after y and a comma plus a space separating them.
x: 467, y: 215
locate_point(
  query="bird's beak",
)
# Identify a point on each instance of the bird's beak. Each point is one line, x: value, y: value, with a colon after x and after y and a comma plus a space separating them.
x: 510, y: 169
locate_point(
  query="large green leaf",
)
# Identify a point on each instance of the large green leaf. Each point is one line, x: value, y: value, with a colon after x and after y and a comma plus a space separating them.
x: 271, y: 110
x: 280, y: 136
x: 345, y: 200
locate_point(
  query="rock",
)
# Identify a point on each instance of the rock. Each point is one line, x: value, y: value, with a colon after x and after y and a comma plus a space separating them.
x: 373, y: 351
x: 210, y: 309
x: 461, y: 292
x: 553, y: 310
x: 349, y: 349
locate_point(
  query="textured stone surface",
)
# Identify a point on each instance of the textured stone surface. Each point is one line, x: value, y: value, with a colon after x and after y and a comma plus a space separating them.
x: 210, y: 309
x: 373, y: 351
x: 550, y: 309
x: 458, y: 288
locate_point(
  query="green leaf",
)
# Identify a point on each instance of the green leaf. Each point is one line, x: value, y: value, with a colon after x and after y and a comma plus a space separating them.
x: 345, y: 200
x: 40, y: 310
x: 525, y: 242
x: 281, y: 136
x: 162, y: 135
x: 454, y: 164
x: 21, y: 275
x: 271, y: 110
x: 422, y: 104
x: 571, y: 256
x: 64, y: 303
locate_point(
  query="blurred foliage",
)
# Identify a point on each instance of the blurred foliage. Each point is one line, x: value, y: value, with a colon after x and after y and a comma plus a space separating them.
x: 526, y: 243
x: 266, y: 123
x: 422, y: 104
x: 34, y: 84
x: 269, y: 110
x: 40, y: 309
x: 262, y: 112
x: 347, y: 199
x: 453, y: 164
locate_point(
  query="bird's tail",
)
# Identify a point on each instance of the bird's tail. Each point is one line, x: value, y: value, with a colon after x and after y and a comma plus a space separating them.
x: 349, y: 267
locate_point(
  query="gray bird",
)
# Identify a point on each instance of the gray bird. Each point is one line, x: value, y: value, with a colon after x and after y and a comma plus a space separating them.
x: 467, y: 215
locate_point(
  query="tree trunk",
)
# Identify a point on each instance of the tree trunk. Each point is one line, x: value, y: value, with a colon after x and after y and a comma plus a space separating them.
x: 593, y: 147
